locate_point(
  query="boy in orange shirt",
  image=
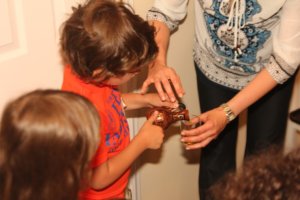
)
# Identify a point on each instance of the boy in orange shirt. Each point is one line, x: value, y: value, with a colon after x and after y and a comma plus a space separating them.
x: 104, y: 45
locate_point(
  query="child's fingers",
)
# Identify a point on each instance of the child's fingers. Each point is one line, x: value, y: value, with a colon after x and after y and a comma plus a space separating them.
x: 153, y: 117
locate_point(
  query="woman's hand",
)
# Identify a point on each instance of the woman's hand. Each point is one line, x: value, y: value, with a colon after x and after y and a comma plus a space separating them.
x: 212, y: 123
x: 154, y: 100
x: 163, y: 77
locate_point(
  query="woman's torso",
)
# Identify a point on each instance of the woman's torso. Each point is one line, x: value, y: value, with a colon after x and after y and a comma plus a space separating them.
x: 231, y: 54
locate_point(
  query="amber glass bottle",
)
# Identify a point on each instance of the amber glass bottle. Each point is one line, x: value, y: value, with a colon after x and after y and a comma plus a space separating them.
x: 167, y: 116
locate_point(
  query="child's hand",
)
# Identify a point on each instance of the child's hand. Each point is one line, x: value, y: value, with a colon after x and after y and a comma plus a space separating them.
x: 151, y: 135
x: 154, y: 100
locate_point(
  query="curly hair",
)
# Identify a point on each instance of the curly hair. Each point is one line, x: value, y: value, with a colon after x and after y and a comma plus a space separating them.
x: 268, y: 176
x: 106, y: 35
x: 47, y: 139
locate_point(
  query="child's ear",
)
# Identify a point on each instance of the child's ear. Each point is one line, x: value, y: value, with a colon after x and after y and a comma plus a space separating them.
x: 98, y: 71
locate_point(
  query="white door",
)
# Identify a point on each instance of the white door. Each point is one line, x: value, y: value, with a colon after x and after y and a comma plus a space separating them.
x: 28, y: 47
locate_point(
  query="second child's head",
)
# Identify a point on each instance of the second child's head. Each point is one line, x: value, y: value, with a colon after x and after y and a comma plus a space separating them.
x: 47, y: 140
x: 104, y: 39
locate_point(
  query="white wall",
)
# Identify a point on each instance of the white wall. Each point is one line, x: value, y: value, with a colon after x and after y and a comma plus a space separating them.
x: 172, y: 172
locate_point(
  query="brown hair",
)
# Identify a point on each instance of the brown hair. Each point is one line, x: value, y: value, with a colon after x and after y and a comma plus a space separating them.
x: 270, y: 176
x: 47, y: 139
x: 106, y: 35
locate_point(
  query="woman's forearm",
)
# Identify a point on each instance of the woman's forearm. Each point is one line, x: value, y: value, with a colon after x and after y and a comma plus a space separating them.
x: 257, y: 88
x: 162, y: 38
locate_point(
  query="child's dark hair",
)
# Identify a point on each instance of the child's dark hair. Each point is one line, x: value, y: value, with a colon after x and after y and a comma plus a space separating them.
x: 106, y: 35
x: 47, y: 139
x: 269, y: 175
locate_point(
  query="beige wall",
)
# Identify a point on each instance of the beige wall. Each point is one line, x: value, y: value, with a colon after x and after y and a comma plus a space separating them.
x: 172, y: 172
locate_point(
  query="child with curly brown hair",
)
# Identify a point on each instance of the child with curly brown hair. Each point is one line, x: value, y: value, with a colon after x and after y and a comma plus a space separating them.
x: 270, y: 175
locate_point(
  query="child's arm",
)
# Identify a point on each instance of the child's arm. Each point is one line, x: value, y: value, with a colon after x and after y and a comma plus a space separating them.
x: 149, y: 137
x: 135, y: 101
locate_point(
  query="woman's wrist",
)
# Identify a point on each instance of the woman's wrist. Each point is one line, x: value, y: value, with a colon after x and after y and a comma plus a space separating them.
x: 230, y: 115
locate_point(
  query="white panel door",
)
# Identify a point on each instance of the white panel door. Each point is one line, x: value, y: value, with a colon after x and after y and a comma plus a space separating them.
x: 29, y: 56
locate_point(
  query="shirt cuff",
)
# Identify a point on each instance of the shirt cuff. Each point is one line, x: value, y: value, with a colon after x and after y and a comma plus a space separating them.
x: 156, y: 14
x: 279, y: 69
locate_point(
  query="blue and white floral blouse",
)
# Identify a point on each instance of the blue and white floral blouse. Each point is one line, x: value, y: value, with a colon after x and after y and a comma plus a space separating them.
x: 235, y: 39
